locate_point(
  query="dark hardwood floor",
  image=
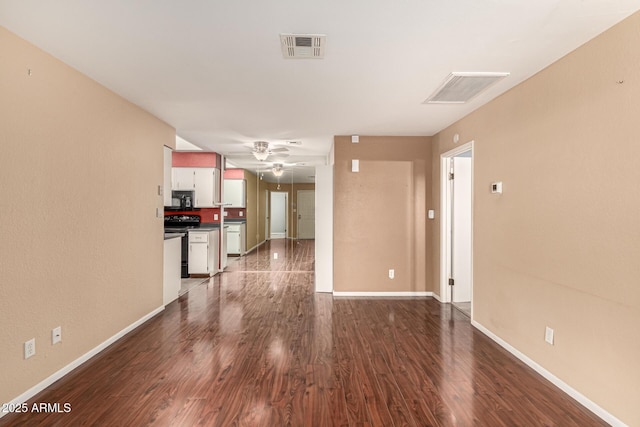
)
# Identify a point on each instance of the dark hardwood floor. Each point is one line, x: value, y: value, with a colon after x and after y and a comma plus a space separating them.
x: 256, y: 346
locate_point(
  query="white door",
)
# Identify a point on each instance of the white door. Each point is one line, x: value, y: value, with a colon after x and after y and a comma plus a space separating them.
x: 278, y: 215
x: 461, y: 230
x: 306, y: 214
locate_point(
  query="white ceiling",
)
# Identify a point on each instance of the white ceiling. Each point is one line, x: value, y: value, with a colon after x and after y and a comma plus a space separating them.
x: 213, y: 69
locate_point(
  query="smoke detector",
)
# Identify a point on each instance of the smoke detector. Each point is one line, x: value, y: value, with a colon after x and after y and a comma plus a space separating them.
x: 302, y: 46
x: 461, y: 87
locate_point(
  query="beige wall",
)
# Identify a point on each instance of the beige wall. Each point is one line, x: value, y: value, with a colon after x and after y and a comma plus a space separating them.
x: 560, y: 247
x: 380, y: 215
x: 81, y: 247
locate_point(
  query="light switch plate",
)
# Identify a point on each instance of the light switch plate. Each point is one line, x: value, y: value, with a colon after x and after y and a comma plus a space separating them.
x: 355, y: 165
x: 431, y: 214
x: 355, y: 139
x: 548, y: 335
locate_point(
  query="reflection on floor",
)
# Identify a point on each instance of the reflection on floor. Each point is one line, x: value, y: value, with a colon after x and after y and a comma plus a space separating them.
x: 464, y: 307
x: 187, y: 284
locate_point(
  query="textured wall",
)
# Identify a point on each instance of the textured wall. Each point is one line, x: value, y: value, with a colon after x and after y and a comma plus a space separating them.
x: 81, y: 247
x: 560, y: 247
x: 380, y: 214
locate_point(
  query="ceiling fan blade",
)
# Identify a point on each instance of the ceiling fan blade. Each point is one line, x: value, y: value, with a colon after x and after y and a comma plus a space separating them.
x: 279, y: 150
x: 279, y: 155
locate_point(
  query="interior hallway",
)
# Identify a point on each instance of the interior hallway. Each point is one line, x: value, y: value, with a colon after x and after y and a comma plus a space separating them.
x: 256, y: 346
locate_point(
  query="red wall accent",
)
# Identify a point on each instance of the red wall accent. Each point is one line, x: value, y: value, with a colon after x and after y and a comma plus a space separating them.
x: 234, y: 174
x: 206, y: 214
x: 235, y: 213
x: 197, y: 160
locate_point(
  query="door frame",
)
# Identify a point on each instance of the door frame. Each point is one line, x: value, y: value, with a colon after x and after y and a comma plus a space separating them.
x: 267, y: 215
x: 445, y: 220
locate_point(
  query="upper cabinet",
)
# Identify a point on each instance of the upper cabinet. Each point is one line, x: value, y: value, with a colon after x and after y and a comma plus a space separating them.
x: 235, y: 193
x: 183, y: 179
x: 204, y: 181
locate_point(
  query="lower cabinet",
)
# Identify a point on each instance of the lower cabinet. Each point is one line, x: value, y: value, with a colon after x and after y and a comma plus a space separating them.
x: 203, y: 252
x: 236, y: 240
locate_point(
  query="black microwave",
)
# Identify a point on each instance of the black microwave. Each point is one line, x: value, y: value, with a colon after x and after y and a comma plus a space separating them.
x: 182, y: 199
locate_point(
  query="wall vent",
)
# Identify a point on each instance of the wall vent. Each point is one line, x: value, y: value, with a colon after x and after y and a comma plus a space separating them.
x: 461, y: 87
x: 302, y: 46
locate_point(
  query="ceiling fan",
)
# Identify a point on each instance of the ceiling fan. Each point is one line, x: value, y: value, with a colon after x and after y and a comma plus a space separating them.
x: 262, y: 149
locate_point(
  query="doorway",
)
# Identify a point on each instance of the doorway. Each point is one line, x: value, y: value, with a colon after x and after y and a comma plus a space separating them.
x: 306, y: 214
x: 456, y: 236
x: 278, y: 215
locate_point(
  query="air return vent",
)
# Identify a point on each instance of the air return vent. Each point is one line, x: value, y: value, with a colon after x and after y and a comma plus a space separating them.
x: 303, y: 46
x: 459, y: 88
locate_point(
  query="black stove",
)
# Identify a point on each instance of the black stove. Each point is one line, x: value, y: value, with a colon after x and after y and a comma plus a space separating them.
x: 181, y: 221
x: 182, y: 224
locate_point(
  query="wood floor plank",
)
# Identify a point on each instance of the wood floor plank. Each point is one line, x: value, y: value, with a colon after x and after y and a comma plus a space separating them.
x: 256, y: 346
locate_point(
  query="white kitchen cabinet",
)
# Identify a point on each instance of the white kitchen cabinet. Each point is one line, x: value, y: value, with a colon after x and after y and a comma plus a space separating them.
x: 205, y: 182
x: 235, y: 193
x: 182, y: 179
x: 236, y: 238
x: 203, y: 252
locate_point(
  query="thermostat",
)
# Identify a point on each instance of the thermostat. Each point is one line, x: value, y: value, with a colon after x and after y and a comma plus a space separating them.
x: 496, y: 187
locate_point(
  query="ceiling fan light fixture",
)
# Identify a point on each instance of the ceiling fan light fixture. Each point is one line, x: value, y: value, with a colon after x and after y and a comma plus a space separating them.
x: 261, y: 155
x: 277, y: 170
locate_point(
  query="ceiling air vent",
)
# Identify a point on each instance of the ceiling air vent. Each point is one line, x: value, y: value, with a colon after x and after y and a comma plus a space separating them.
x: 459, y: 88
x: 303, y: 46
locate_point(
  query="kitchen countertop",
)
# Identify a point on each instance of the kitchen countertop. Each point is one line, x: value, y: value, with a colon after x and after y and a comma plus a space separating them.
x: 241, y: 220
x: 207, y: 226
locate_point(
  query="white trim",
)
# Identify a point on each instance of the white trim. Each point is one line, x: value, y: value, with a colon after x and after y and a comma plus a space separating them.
x: 255, y: 247
x: 437, y: 297
x: 445, y: 252
x: 79, y: 361
x: 583, y: 400
x: 383, y: 294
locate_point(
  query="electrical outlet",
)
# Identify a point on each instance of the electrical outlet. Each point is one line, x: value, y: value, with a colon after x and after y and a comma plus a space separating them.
x: 30, y: 348
x: 215, y: 217
x: 392, y: 273
x: 548, y: 335
x: 241, y: 213
x: 275, y: 255
x: 56, y: 335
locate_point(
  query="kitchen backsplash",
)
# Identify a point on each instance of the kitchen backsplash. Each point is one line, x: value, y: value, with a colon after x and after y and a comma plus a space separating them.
x: 236, y: 213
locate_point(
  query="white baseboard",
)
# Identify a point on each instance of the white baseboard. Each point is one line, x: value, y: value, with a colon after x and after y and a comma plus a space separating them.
x: 436, y: 296
x: 590, y: 405
x: 79, y: 361
x: 383, y: 294
x: 255, y: 247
